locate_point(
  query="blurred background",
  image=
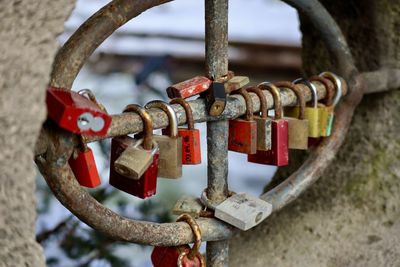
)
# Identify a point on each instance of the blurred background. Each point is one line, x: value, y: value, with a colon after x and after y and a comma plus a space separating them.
x: 163, y: 46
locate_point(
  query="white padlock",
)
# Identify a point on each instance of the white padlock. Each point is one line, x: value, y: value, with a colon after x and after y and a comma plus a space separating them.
x: 243, y: 211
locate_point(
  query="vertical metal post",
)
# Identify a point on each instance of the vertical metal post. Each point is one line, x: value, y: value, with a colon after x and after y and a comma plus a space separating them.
x: 216, y: 21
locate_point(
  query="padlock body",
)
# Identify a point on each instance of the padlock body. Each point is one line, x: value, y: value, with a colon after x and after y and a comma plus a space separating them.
x: 279, y: 154
x: 242, y: 136
x: 191, y: 147
x: 68, y: 108
x: 188, y: 204
x: 236, y: 83
x: 311, y: 114
x: 84, y: 168
x: 189, y: 87
x: 326, y: 115
x: 263, y: 133
x: 133, y: 162
x: 170, y: 161
x: 298, y: 133
x: 147, y: 184
x: 168, y: 257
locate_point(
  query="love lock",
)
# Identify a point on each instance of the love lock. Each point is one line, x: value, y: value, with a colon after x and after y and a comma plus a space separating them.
x: 243, y: 211
x: 76, y: 113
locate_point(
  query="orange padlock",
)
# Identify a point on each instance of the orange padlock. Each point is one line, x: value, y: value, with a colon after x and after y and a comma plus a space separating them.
x: 243, y: 132
x: 191, y: 148
x: 83, y: 166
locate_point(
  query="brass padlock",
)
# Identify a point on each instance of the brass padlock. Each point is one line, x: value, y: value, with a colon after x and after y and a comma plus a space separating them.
x: 311, y: 112
x: 137, y: 158
x: 170, y: 160
x: 298, y: 127
x: 263, y: 121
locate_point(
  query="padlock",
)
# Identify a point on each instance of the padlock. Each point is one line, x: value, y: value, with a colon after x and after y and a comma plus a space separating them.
x: 83, y: 165
x: 243, y: 211
x: 189, y: 87
x: 181, y: 256
x: 279, y: 153
x: 236, y: 83
x: 191, y: 147
x: 170, y: 161
x: 146, y: 185
x: 311, y: 112
x: 216, y: 96
x: 327, y: 112
x: 76, y: 113
x: 263, y: 121
x: 243, y: 132
x: 135, y: 160
x: 298, y: 127
x: 192, y: 206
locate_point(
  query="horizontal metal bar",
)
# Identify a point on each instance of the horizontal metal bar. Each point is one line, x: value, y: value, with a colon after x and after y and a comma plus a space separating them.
x: 129, y: 123
x: 381, y: 80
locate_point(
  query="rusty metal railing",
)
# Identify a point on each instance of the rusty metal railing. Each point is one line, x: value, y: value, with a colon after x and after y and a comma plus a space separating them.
x: 55, y: 146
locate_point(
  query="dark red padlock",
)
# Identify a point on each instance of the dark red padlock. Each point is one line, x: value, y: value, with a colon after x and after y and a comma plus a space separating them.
x: 83, y: 166
x: 279, y: 153
x: 181, y: 255
x: 189, y: 87
x: 191, y: 147
x: 76, y: 113
x: 146, y: 185
x: 243, y: 132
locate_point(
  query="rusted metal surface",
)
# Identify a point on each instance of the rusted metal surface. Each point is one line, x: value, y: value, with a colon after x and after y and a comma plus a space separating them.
x: 55, y: 146
x: 330, y: 33
x: 381, y: 80
x: 91, y: 34
x: 216, y: 28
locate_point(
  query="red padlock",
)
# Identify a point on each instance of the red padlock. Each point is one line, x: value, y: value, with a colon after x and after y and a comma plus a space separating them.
x: 146, y: 185
x: 83, y: 166
x: 191, y: 148
x: 279, y: 153
x: 243, y: 133
x: 189, y: 87
x: 182, y: 256
x: 76, y: 113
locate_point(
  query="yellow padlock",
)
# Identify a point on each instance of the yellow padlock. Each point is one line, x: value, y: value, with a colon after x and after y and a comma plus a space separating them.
x: 310, y: 113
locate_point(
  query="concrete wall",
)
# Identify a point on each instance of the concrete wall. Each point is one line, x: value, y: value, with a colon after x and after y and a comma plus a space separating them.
x: 28, y: 31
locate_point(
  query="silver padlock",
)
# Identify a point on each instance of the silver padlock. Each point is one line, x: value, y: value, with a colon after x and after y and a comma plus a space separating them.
x: 135, y: 160
x: 170, y: 160
x: 243, y: 211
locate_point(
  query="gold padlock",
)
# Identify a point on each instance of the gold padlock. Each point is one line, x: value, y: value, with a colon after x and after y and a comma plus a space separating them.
x: 170, y: 160
x: 311, y: 112
x: 298, y: 127
x: 137, y: 158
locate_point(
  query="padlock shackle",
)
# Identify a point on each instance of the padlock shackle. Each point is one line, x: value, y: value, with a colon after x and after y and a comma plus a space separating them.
x: 173, y: 120
x: 188, y: 111
x: 196, y: 233
x: 91, y: 96
x: 299, y: 94
x: 338, y: 85
x: 275, y: 92
x: 329, y: 86
x: 312, y: 88
x: 249, y: 103
x: 263, y: 100
x: 147, y: 124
